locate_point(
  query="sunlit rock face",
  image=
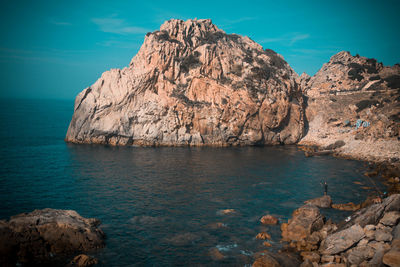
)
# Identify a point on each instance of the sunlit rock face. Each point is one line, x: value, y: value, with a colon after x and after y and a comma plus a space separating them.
x: 193, y: 84
x: 354, y: 100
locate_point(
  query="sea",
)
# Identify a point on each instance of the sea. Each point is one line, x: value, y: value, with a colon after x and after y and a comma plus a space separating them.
x: 164, y: 206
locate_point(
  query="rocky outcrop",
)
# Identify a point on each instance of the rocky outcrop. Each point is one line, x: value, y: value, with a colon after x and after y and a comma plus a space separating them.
x: 355, y: 101
x: 345, y: 73
x: 47, y: 235
x: 321, y: 202
x: 193, y: 84
x: 300, y: 228
x: 370, y: 237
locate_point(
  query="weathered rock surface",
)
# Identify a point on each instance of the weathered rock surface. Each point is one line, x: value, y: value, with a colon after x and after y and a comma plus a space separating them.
x: 373, y: 213
x: 282, y: 259
x: 345, y: 73
x: 193, y: 84
x: 43, y: 235
x: 354, y: 100
x: 321, y: 202
x: 305, y: 220
x: 392, y: 257
x: 269, y: 219
x: 342, y: 240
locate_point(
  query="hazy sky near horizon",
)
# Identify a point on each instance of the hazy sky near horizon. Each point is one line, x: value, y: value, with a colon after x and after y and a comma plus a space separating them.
x: 55, y: 49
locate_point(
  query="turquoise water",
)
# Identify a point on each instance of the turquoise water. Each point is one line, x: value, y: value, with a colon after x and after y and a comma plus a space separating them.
x: 159, y: 206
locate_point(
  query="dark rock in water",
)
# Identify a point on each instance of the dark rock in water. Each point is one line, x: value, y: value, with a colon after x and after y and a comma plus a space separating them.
x: 284, y: 259
x: 269, y: 219
x: 321, y: 202
x: 83, y: 261
x: 304, y: 222
x: 45, y: 235
x: 263, y: 236
x: 266, y: 260
x: 215, y: 254
x: 342, y: 240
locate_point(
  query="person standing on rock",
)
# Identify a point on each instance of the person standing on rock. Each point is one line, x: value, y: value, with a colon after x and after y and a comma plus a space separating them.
x: 325, y: 185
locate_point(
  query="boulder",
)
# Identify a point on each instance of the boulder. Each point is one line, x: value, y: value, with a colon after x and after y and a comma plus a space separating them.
x: 321, y: 202
x: 226, y: 212
x: 373, y: 213
x: 263, y: 236
x: 83, y: 260
x: 342, y: 240
x: 284, y: 259
x: 36, y: 237
x: 269, y: 219
x: 267, y: 244
x: 266, y: 261
x: 390, y: 218
x: 215, y: 254
x: 382, y: 235
x: 360, y: 254
x: 312, y: 256
x: 304, y: 222
x: 392, y: 257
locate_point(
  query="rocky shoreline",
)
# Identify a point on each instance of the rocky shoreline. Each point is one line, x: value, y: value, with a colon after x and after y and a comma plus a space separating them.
x: 369, y: 237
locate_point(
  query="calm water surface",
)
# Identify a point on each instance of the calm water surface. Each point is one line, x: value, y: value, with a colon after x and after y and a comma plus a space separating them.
x: 160, y: 206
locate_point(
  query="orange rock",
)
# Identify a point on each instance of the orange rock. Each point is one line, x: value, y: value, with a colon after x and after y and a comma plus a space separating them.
x: 347, y: 206
x: 263, y: 236
x: 269, y: 219
x: 267, y: 244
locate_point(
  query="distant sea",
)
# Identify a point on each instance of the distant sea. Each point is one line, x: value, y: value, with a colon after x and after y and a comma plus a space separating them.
x: 161, y: 206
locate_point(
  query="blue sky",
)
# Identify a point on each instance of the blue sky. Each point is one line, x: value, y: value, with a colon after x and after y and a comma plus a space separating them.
x: 54, y: 49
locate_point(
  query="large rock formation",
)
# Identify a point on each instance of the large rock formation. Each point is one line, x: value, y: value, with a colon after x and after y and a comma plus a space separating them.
x: 47, y: 235
x: 192, y: 84
x: 345, y: 73
x: 354, y: 102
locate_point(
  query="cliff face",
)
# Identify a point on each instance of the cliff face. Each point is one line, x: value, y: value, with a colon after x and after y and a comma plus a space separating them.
x: 356, y: 101
x: 193, y: 84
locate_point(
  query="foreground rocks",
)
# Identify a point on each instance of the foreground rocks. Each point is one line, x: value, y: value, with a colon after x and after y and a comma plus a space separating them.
x: 370, y: 237
x: 47, y: 235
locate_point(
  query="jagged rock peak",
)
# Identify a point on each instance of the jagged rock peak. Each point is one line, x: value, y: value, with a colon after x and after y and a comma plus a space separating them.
x: 191, y: 26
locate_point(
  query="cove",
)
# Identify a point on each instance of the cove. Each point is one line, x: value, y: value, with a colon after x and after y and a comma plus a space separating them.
x: 161, y: 206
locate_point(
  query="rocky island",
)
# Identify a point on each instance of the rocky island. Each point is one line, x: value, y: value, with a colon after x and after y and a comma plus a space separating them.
x: 193, y: 84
